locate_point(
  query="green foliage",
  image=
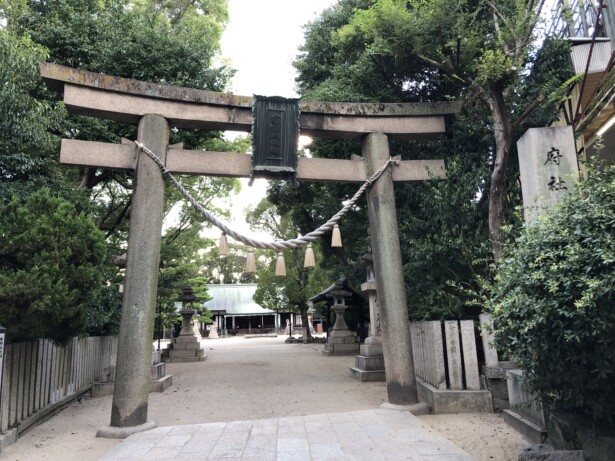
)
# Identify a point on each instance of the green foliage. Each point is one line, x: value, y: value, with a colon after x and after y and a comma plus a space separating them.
x: 199, y: 288
x: 173, y: 42
x: 24, y: 138
x: 553, y: 301
x: 551, y: 75
x: 164, y: 41
x: 293, y: 290
x: 415, y: 50
x: 104, y: 312
x: 50, y: 260
x: 409, y: 51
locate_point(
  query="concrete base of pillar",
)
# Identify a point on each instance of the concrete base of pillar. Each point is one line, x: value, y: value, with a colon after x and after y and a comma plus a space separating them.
x: 446, y: 402
x: 419, y: 408
x: 8, y: 438
x: 111, y: 432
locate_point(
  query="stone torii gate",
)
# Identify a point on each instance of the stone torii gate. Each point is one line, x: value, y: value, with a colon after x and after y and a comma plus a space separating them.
x: 156, y: 108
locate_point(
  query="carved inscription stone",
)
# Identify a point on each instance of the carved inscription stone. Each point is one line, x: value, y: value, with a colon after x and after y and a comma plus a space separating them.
x: 548, y: 166
x: 453, y: 353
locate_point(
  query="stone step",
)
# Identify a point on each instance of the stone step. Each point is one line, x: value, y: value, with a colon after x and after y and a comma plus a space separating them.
x: 161, y: 384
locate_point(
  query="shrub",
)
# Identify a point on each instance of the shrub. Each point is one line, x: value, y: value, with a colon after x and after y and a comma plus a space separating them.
x: 50, y: 268
x: 553, y: 301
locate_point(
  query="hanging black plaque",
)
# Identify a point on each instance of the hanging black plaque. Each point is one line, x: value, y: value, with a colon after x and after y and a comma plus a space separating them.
x: 275, y: 134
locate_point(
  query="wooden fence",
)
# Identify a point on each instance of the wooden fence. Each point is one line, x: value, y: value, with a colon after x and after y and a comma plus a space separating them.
x: 39, y: 376
x: 445, y: 354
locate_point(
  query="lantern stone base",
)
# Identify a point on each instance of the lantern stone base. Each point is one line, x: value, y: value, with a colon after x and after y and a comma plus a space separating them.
x: 341, y: 342
x: 369, y: 365
x: 185, y: 348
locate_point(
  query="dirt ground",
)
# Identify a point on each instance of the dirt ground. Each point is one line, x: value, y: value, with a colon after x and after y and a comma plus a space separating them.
x: 249, y: 379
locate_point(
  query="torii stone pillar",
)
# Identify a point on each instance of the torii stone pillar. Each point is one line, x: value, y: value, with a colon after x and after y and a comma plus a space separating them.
x: 391, y: 292
x: 131, y: 391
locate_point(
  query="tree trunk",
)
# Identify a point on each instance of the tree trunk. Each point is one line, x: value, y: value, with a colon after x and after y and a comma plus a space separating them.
x: 303, y: 306
x: 498, y: 189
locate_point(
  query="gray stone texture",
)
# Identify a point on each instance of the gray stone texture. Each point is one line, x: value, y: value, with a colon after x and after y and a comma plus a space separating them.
x: 530, y: 430
x: 396, y: 344
x: 470, y: 358
x: 548, y: 167
x: 486, y: 332
x: 185, y: 348
x: 522, y: 401
x: 453, y: 355
x: 380, y: 434
x: 139, y: 299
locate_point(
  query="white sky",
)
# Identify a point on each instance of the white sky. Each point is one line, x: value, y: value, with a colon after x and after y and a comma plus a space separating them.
x: 261, y: 42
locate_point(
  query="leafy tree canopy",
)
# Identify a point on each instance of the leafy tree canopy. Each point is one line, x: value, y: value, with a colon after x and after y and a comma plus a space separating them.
x: 167, y: 41
x: 412, y: 50
x: 50, y: 261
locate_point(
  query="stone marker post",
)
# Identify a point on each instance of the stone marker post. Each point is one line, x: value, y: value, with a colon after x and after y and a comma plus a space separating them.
x: 548, y: 167
x: 130, y: 396
x: 396, y: 343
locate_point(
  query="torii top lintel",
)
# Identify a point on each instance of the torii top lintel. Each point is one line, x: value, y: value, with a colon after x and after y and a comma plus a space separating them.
x: 121, y: 99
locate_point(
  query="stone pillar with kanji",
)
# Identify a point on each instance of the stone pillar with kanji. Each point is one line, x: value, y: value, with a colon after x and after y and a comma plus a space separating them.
x: 548, y: 167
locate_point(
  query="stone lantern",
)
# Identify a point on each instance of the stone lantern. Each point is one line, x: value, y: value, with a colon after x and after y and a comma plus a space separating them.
x: 341, y: 341
x: 339, y: 307
x: 188, y: 311
x: 186, y: 347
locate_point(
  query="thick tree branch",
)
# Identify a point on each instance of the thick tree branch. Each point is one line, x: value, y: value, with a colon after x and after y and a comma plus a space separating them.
x: 526, y: 113
x: 447, y: 69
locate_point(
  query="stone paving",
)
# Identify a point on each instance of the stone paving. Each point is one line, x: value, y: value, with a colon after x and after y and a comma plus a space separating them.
x: 369, y: 435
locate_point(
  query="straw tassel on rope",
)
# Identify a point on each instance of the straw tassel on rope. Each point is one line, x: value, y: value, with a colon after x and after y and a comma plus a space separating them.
x: 310, y: 260
x: 250, y: 262
x: 280, y: 266
x: 336, y: 237
x: 223, y: 247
